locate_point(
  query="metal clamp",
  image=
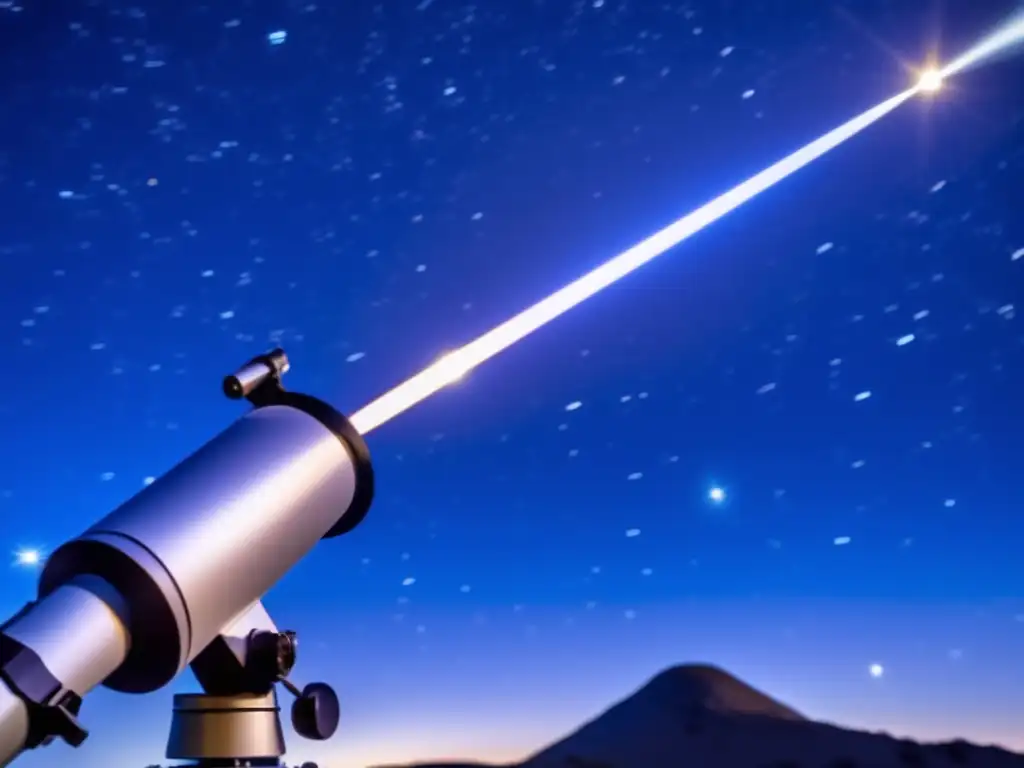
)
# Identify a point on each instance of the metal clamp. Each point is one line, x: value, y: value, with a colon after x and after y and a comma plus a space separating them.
x: 52, y: 708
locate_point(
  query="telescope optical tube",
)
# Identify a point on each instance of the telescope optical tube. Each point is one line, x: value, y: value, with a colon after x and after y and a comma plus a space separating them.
x: 208, y: 539
x: 134, y: 599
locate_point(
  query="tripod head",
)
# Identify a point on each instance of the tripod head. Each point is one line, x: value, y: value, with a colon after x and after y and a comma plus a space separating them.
x: 236, y: 719
x: 175, y: 576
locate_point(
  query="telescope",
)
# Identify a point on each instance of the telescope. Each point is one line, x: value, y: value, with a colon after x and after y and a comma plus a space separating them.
x: 175, y: 578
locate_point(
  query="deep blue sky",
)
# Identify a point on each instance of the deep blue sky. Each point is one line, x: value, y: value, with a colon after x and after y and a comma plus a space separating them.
x: 179, y: 193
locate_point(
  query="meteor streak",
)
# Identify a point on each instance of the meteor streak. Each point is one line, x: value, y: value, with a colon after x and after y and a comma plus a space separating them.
x: 456, y: 364
x: 1007, y: 37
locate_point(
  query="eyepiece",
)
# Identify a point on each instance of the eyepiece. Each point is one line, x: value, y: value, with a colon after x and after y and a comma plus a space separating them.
x: 245, y: 380
x: 250, y: 376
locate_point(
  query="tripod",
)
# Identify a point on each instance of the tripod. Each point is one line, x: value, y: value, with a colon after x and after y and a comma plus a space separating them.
x: 237, y: 723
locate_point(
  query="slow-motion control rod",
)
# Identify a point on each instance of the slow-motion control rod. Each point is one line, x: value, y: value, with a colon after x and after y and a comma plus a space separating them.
x: 175, y: 577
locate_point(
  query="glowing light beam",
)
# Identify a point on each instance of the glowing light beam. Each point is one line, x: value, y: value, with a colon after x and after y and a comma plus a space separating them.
x: 1008, y: 36
x: 456, y: 364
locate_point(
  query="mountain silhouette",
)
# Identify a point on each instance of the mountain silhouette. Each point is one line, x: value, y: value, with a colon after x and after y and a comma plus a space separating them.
x: 700, y: 716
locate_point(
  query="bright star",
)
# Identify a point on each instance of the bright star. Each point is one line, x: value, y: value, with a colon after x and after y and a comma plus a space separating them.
x: 931, y: 80
x: 28, y: 558
x: 876, y: 670
x: 716, y: 495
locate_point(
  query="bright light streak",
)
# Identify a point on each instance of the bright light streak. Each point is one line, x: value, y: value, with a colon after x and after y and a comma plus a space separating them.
x: 1008, y: 36
x: 456, y: 364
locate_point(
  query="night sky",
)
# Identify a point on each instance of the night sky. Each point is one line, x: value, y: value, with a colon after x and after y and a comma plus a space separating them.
x: 183, y: 186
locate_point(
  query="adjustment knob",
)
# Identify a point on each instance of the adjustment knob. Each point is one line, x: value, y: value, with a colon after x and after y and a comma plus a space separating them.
x: 316, y: 712
x: 271, y: 655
